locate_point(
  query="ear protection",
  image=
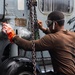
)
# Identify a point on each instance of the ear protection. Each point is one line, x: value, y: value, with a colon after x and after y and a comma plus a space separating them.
x: 53, y: 25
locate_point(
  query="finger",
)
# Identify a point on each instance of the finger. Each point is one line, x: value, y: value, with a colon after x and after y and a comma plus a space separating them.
x: 4, y: 27
x: 4, y: 30
x: 8, y: 25
x: 3, y: 23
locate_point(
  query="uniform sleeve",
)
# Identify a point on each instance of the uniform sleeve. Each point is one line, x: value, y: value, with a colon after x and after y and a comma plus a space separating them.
x: 44, y: 43
x: 25, y: 44
x: 47, y: 31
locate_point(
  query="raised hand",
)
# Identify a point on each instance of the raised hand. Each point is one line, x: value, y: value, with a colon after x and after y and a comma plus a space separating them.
x: 7, y: 29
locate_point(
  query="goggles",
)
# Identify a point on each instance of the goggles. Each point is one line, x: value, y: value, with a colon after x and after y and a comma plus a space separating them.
x: 50, y: 22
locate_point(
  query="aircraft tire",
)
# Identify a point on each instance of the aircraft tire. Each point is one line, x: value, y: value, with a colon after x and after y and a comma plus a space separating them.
x: 16, y: 66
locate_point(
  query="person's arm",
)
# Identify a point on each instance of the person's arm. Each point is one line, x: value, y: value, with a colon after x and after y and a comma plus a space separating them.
x: 8, y: 30
x: 41, y: 44
x: 22, y: 43
x: 45, y: 30
x: 45, y: 43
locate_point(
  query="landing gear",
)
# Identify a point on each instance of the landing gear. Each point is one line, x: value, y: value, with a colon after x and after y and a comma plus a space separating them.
x: 17, y: 66
x: 24, y: 73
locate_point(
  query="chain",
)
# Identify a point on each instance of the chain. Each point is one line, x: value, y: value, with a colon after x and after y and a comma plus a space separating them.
x: 30, y: 5
x: 35, y: 31
x: 36, y: 28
